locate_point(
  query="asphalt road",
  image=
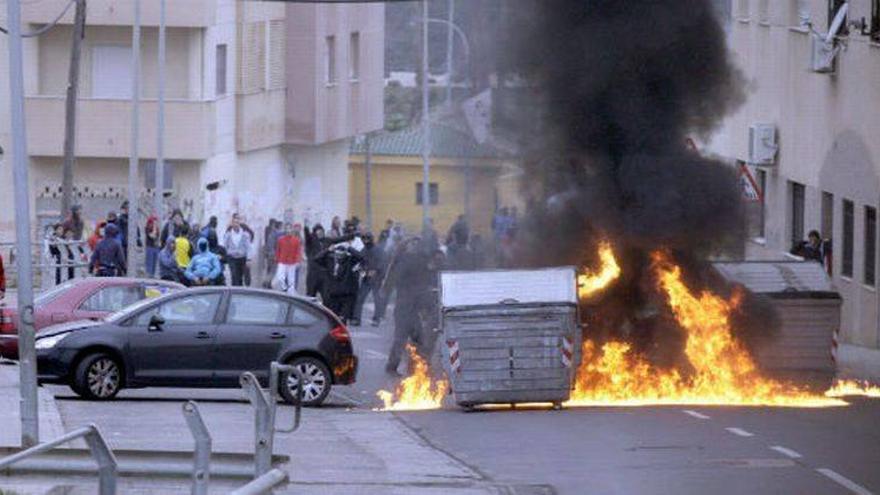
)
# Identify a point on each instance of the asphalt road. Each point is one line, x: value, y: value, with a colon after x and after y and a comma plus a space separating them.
x: 647, y: 450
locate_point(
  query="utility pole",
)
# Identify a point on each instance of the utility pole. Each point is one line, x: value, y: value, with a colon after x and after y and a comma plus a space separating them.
x: 131, y: 235
x: 79, y: 28
x: 449, y: 47
x: 368, y: 170
x: 30, y: 431
x: 426, y: 122
x: 159, y: 188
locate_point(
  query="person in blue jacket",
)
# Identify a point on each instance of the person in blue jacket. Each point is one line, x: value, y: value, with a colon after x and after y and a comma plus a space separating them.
x: 204, y: 268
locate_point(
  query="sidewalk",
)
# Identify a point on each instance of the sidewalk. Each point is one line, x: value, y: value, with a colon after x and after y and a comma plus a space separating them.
x: 10, y: 418
x: 858, y: 362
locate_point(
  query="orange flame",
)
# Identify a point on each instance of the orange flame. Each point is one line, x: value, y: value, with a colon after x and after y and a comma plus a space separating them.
x: 591, y: 283
x: 417, y: 392
x: 843, y: 388
x: 722, y: 372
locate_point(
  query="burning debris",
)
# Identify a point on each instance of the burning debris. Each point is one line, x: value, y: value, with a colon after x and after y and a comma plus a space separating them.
x: 853, y: 388
x: 417, y: 392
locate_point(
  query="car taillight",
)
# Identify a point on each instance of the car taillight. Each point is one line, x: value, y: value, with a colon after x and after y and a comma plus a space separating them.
x: 340, y: 334
x: 7, y: 321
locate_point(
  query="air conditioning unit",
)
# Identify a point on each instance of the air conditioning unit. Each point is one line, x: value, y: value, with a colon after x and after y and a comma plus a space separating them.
x: 823, y: 55
x: 762, y: 144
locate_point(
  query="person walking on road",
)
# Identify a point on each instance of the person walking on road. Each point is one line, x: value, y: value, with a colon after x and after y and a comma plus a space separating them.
x: 373, y: 268
x: 108, y: 259
x: 288, y: 258
x: 411, y: 278
x: 341, y: 279
x: 237, y: 243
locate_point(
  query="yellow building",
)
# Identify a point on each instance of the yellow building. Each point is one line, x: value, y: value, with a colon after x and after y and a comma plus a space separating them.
x: 464, y: 179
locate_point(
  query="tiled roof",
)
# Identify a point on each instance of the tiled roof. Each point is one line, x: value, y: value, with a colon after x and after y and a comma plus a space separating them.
x: 446, y: 141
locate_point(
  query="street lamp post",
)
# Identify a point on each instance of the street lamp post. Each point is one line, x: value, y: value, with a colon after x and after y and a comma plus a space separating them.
x: 30, y: 433
x: 426, y: 124
x: 131, y: 234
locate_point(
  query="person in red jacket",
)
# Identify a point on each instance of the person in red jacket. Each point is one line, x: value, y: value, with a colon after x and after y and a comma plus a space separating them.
x: 2, y: 279
x: 288, y: 256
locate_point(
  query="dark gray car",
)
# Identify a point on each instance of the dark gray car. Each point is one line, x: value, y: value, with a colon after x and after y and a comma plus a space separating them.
x: 200, y: 338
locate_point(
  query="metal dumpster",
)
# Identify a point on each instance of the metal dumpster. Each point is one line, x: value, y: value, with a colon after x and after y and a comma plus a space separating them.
x: 510, y: 336
x: 808, y: 308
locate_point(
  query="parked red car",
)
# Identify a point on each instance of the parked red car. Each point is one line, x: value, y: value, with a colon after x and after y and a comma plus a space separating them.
x: 80, y: 299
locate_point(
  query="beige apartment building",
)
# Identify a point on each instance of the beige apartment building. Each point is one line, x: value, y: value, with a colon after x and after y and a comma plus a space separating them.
x: 262, y: 98
x: 823, y: 118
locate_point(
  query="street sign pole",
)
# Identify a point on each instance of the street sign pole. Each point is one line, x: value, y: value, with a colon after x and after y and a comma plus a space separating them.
x: 30, y: 433
x: 131, y: 234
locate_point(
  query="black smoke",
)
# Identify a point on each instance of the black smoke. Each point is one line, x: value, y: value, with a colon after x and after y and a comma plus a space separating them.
x: 616, y: 90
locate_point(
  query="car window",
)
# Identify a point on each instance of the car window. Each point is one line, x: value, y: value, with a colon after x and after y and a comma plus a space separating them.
x: 256, y: 310
x: 53, y: 293
x: 112, y: 298
x: 300, y: 315
x: 188, y: 310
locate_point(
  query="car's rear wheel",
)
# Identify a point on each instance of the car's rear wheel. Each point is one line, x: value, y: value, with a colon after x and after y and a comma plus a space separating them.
x: 316, y: 382
x: 98, y: 377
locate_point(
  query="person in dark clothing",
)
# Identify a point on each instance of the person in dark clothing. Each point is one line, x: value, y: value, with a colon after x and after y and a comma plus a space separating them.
x: 215, y: 247
x: 373, y: 269
x: 168, y: 267
x: 314, y: 246
x: 814, y: 249
x: 108, y: 259
x: 457, y: 242
x: 412, y: 278
x: 2, y: 279
x: 54, y: 241
x: 212, y: 225
x: 340, y: 278
x: 173, y: 226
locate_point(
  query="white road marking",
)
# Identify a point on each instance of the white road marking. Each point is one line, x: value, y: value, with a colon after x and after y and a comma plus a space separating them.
x: 740, y: 432
x: 786, y: 452
x: 364, y: 334
x: 844, y: 481
x: 695, y: 414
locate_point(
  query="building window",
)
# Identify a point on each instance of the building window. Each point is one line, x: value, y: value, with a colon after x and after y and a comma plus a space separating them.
x: 330, y: 59
x: 433, y: 191
x: 797, y: 212
x: 149, y: 167
x: 756, y: 209
x: 221, y: 70
x: 846, y: 264
x: 354, y: 57
x: 827, y: 215
x: 833, y: 8
x: 111, y: 71
x: 870, y: 245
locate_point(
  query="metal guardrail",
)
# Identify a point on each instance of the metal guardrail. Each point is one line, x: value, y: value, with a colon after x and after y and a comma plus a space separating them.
x: 265, y: 412
x: 265, y: 405
x: 97, y: 445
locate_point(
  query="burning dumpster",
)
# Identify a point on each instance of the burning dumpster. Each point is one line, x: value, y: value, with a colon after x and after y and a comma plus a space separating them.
x: 510, y: 336
x: 808, y: 308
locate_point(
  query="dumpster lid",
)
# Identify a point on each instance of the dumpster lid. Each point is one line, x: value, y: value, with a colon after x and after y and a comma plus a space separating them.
x: 779, y: 278
x: 487, y: 287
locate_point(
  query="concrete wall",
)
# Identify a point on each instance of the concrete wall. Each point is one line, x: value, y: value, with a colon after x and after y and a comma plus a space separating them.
x: 827, y: 130
x: 319, y: 111
x: 394, y: 192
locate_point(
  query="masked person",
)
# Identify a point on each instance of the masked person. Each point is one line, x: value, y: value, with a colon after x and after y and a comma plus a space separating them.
x: 108, y: 258
x: 340, y: 278
x: 411, y: 276
x: 204, y: 268
x: 373, y: 270
x: 168, y: 269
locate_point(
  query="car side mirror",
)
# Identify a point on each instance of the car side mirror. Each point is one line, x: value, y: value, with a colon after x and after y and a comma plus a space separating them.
x: 156, y: 322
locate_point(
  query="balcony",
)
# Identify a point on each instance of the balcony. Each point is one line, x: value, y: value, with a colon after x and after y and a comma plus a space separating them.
x: 179, y: 13
x: 104, y: 128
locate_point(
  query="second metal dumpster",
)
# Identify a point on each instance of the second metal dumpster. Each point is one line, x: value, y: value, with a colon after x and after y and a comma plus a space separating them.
x: 510, y: 336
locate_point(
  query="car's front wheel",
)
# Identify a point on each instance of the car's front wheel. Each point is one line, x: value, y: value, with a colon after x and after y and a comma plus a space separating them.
x: 316, y: 382
x: 98, y: 377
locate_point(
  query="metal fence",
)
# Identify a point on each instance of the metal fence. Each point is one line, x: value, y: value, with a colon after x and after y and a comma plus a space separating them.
x: 265, y: 479
x: 55, y: 261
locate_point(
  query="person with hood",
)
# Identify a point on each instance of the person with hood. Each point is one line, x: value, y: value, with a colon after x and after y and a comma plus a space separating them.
x: 108, y: 259
x: 215, y: 247
x: 373, y: 269
x: 412, y: 277
x: 172, y: 227
x: 75, y: 223
x: 97, y: 235
x: 204, y: 268
x: 168, y: 268
x: 212, y: 225
x: 339, y: 262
